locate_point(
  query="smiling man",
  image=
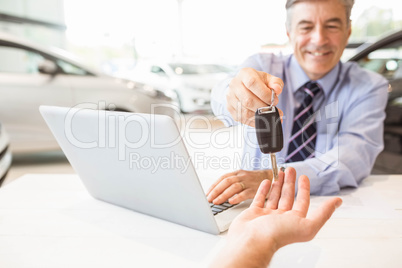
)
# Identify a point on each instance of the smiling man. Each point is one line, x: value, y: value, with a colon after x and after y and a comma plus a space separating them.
x: 333, y: 112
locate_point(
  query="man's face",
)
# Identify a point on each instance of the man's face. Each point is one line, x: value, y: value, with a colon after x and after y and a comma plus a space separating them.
x: 318, y: 33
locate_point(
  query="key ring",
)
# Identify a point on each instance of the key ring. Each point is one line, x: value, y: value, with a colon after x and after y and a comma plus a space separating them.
x: 272, y: 99
x: 270, y: 108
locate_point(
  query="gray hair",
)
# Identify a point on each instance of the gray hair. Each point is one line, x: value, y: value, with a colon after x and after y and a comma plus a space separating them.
x: 348, y: 4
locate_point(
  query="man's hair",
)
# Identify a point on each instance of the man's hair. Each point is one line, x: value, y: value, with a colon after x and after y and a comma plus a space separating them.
x: 348, y: 4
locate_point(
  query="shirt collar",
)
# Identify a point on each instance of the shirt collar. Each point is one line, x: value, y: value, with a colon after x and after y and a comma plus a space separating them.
x: 298, y: 77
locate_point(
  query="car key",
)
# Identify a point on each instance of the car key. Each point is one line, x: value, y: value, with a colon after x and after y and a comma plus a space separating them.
x: 268, y: 128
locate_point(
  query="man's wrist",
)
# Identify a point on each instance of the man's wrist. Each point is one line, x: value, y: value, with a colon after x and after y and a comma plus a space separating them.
x: 250, y: 251
x: 258, y: 244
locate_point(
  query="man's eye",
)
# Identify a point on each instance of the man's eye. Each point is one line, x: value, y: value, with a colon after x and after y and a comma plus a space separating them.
x: 332, y: 27
x: 305, y: 29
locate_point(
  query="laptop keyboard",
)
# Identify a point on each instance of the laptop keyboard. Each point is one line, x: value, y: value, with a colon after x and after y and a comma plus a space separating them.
x: 219, y: 208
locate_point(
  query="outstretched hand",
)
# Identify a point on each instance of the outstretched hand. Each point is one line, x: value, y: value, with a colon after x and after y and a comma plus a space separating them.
x: 265, y: 227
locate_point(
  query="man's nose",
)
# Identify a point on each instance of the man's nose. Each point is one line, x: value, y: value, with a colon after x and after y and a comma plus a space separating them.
x: 319, y: 36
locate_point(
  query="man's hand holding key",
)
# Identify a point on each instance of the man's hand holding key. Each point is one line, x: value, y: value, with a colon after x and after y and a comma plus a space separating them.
x: 248, y: 91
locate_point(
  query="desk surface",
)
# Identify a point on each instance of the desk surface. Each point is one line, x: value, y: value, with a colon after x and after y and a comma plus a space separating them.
x: 51, y: 221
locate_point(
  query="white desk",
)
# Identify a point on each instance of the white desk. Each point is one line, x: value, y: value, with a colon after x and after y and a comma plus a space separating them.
x: 51, y: 221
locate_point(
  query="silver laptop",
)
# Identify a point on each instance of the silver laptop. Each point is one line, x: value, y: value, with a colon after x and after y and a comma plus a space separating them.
x: 137, y: 161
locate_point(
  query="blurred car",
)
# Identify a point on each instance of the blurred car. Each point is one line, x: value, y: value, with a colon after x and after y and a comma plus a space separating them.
x: 191, y: 81
x: 5, y: 155
x: 32, y: 75
x: 385, y: 58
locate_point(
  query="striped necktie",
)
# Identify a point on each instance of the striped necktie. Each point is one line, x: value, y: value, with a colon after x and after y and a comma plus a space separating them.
x: 304, y: 132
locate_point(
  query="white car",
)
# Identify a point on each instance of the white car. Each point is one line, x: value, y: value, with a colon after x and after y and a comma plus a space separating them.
x: 5, y: 155
x: 32, y: 75
x: 191, y: 81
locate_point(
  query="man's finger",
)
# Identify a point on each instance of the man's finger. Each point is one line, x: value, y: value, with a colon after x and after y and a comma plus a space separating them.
x: 255, y: 82
x: 232, y: 100
x: 249, y: 100
x: 224, y: 176
x: 261, y: 195
x: 320, y: 216
x: 221, y: 187
x: 288, y: 190
x: 242, y: 104
x: 275, y: 83
x: 275, y: 194
x: 229, y: 192
x: 280, y: 113
x: 303, y: 196
x: 240, y: 197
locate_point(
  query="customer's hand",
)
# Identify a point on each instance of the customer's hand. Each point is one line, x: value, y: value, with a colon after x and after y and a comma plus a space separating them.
x: 259, y: 231
x: 249, y: 90
x: 237, y: 186
x: 281, y: 219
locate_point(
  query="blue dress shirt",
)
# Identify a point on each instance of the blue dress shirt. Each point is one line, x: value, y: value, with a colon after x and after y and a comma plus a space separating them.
x: 350, y: 111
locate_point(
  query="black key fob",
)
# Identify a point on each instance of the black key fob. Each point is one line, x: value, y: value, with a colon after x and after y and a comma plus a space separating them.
x: 268, y: 128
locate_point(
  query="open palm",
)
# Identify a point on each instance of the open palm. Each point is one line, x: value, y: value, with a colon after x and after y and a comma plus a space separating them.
x: 281, y: 220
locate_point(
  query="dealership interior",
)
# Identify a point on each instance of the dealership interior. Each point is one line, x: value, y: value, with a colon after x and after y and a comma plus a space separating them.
x: 94, y: 92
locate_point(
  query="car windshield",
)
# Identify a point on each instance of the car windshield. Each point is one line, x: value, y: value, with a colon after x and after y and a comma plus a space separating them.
x: 199, y: 68
x: 386, y: 61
